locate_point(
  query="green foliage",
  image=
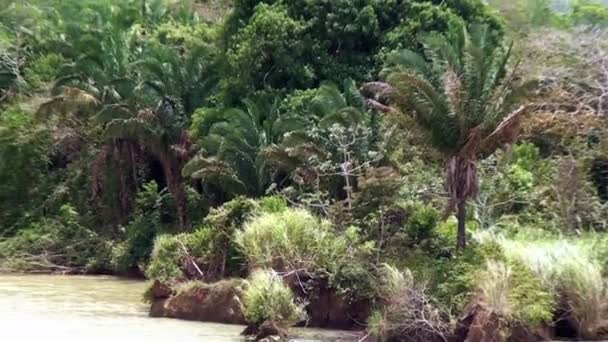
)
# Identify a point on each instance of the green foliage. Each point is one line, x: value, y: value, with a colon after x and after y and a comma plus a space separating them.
x: 232, y: 215
x: 289, y: 240
x: 355, y: 280
x: 268, y: 298
x: 526, y: 15
x: 452, y: 277
x: 56, y: 244
x: 509, y: 182
x: 268, y: 53
x: 272, y: 204
x: 132, y: 97
x: 232, y: 143
x: 209, y: 247
x: 143, y: 229
x: 406, y: 309
x: 165, y: 259
x: 23, y: 152
x: 43, y: 70
x: 589, y: 12
x: 306, y: 43
x: 535, y: 305
x: 421, y: 223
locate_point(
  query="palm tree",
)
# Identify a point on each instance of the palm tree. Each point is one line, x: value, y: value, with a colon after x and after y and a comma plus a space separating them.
x: 161, y: 131
x: 460, y: 94
x: 100, y: 82
x: 182, y: 73
x: 232, y: 141
x: 175, y: 81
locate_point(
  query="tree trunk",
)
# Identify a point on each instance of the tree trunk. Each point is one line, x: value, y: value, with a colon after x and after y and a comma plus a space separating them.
x: 461, y: 215
x: 173, y: 176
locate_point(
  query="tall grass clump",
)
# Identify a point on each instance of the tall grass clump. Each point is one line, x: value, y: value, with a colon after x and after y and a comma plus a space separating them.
x: 572, y: 274
x: 268, y: 299
x: 495, y: 289
x: 290, y: 239
x: 513, y: 293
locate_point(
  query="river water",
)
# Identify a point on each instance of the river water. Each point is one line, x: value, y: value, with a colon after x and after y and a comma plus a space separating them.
x: 84, y: 308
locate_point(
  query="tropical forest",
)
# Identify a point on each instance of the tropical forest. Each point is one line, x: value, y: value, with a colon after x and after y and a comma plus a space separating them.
x: 359, y: 170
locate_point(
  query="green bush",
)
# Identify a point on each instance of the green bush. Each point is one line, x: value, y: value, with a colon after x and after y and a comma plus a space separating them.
x: 267, y: 298
x: 272, y: 204
x: 231, y: 215
x: 146, y: 224
x: 421, y: 223
x: 455, y: 279
x: 24, y: 149
x: 166, y: 259
x: 588, y: 12
x: 291, y: 239
x: 288, y: 45
x: 173, y: 255
x: 43, y: 70
x: 535, y: 305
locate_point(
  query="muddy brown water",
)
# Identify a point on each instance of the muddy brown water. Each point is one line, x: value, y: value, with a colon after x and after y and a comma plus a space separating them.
x: 54, y: 308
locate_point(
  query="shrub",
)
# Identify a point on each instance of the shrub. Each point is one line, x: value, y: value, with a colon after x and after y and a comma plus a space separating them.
x: 272, y: 204
x: 586, y: 12
x: 222, y: 254
x: 455, y: 280
x: 175, y: 256
x: 355, y: 281
x: 267, y: 298
x: 24, y: 150
x: 292, y: 239
x: 407, y: 312
x: 144, y: 227
x: 535, y: 304
x: 43, y: 69
x: 231, y: 215
x: 165, y: 261
x: 421, y: 223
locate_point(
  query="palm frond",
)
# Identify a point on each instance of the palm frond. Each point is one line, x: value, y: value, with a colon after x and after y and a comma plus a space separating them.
x: 506, y: 133
x: 134, y: 128
x: 328, y: 100
x: 407, y: 60
x: 214, y: 171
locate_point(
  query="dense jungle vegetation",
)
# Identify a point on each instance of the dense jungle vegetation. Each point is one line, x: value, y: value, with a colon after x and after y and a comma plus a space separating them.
x: 438, y: 160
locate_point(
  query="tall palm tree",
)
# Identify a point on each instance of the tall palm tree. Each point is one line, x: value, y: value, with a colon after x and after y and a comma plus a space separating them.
x: 460, y: 93
x: 161, y: 132
x: 99, y: 82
